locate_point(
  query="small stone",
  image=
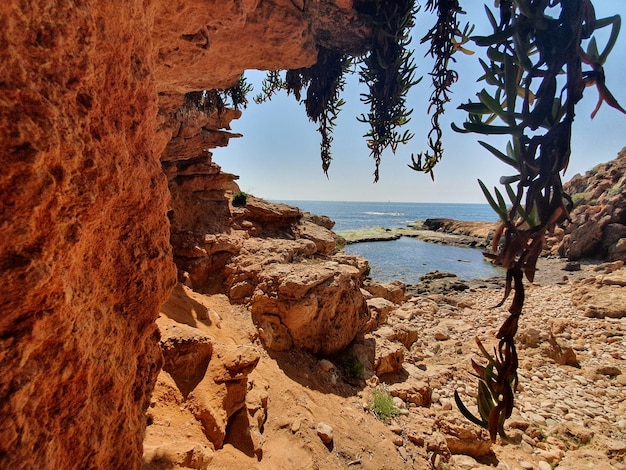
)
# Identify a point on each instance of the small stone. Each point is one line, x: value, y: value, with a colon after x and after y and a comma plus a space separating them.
x: 463, y: 462
x: 526, y: 448
x: 325, y: 432
x: 326, y: 365
x: 611, y: 371
x: 537, y: 418
x: 552, y: 456
x: 572, y: 266
x: 396, y: 429
x: 526, y: 465
x: 398, y: 403
x: 446, y: 403
x: 621, y: 379
x: 435, y: 397
x: 403, y: 453
x: 295, y: 426
x: 543, y: 465
x: 616, y: 447
x: 397, y: 440
x: 441, y: 336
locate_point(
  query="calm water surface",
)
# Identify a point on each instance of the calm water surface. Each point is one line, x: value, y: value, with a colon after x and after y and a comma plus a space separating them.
x: 407, y: 259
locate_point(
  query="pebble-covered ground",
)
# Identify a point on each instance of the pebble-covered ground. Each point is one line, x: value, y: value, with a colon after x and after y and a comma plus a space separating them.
x: 570, y: 410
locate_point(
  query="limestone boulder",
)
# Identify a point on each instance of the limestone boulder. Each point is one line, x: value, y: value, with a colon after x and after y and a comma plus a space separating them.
x: 393, y: 291
x: 412, y: 390
x: 264, y: 218
x: 207, y: 380
x: 164, y: 444
x: 241, y: 273
x: 462, y: 437
x: 186, y: 353
x: 316, y: 306
x: 379, y: 309
x: 222, y: 391
x: 324, y: 239
x: 388, y: 358
x: 604, y: 298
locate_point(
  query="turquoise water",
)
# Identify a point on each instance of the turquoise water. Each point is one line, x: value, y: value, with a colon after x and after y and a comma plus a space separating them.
x: 407, y: 259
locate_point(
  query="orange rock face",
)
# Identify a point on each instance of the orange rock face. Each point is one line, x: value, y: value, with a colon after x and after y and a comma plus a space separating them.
x: 85, y: 259
x: 82, y: 222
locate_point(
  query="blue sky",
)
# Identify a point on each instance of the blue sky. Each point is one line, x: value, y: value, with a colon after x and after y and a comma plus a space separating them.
x: 278, y: 156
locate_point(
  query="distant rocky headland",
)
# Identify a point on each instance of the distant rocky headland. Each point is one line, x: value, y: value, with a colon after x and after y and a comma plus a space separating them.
x: 447, y: 231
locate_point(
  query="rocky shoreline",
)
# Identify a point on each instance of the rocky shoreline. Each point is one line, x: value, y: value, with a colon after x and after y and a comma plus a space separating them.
x: 444, y: 231
x: 276, y: 345
x: 255, y: 379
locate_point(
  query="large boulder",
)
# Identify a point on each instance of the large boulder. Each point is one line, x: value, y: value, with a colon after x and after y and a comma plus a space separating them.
x: 605, y: 297
x: 316, y: 306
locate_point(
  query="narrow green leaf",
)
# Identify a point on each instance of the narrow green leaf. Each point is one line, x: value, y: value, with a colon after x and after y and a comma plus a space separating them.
x: 492, y: 202
x: 456, y: 128
x: 492, y: 19
x: 501, y: 202
x: 492, y: 104
x: 498, y: 154
x: 510, y: 79
x: 520, y: 209
x: 495, y: 55
x: 479, y: 342
x: 475, y: 108
x: 616, y: 22
x: 509, y: 179
x: 467, y: 413
x: 510, y: 193
x: 495, y: 38
x: 490, y: 130
x: 592, y: 49
x: 484, y: 401
x: 510, y: 152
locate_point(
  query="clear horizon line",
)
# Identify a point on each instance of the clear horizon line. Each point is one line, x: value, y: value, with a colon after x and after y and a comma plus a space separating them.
x: 377, y: 202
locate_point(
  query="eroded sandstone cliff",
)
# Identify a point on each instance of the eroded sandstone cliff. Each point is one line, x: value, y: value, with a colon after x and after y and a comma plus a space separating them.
x: 84, y: 251
x: 84, y: 237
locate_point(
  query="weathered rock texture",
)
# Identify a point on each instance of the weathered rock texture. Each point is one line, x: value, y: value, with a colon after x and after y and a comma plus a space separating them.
x: 300, y: 292
x: 85, y: 258
x: 84, y: 255
x: 598, y: 222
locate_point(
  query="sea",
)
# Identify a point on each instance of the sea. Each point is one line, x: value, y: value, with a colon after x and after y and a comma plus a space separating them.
x: 406, y: 259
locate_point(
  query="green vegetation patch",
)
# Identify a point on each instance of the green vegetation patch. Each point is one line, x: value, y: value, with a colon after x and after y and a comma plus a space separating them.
x: 381, y: 404
x: 354, y: 367
x: 240, y: 199
x: 580, y: 199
